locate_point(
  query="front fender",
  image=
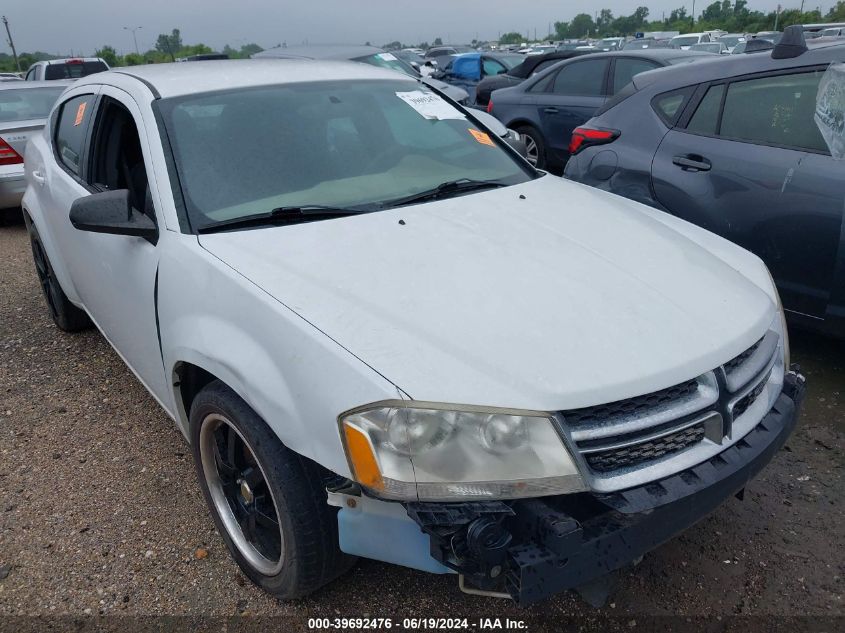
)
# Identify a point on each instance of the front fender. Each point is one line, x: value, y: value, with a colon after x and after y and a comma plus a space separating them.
x: 293, y: 375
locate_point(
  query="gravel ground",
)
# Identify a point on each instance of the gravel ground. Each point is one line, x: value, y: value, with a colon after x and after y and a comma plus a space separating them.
x: 100, y: 512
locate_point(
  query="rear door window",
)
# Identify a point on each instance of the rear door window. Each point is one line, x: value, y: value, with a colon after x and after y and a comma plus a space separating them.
x: 775, y: 110
x: 585, y: 79
x: 71, y: 129
x: 627, y: 67
x: 706, y: 117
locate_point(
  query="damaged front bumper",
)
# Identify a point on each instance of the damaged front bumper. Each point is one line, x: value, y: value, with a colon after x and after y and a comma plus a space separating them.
x: 531, y: 549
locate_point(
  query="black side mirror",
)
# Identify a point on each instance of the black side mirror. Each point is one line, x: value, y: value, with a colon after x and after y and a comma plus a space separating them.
x: 112, y: 212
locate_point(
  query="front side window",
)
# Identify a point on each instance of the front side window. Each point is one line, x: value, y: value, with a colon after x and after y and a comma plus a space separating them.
x: 627, y: 67
x: 349, y: 144
x: 774, y: 110
x: 27, y: 103
x: 71, y: 129
x: 584, y: 79
x: 116, y: 160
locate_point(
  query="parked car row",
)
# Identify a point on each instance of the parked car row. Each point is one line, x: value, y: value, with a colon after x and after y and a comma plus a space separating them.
x: 548, y: 106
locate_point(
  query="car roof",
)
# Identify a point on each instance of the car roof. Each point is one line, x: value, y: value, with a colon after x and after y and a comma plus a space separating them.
x: 21, y: 85
x: 319, y: 51
x: 174, y: 79
x: 722, y: 66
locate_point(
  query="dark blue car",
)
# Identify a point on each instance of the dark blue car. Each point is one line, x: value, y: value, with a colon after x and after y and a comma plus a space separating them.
x: 742, y: 148
x: 547, y: 107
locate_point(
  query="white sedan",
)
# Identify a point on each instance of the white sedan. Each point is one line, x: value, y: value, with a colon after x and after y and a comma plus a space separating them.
x: 384, y: 334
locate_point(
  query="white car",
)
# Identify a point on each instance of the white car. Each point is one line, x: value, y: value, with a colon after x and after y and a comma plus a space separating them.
x: 67, y: 68
x: 684, y: 42
x: 384, y: 334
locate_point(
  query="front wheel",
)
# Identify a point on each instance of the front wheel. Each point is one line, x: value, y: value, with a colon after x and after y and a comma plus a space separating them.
x: 268, y: 503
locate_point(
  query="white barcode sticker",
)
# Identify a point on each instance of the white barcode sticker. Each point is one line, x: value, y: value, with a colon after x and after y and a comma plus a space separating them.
x: 430, y: 105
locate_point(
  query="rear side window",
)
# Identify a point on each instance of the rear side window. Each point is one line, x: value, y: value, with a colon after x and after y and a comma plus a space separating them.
x: 585, y: 79
x: 670, y: 105
x: 706, y: 117
x: 774, y: 110
x: 73, y: 70
x: 626, y: 68
x: 70, y: 131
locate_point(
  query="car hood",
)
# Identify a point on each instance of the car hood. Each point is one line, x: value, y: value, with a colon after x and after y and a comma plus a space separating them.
x: 547, y: 295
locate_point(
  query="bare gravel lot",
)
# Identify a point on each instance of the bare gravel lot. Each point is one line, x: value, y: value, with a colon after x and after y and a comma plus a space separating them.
x: 100, y: 512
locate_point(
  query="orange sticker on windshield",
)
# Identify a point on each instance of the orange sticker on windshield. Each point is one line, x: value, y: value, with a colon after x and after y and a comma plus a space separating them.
x: 80, y: 113
x: 482, y: 137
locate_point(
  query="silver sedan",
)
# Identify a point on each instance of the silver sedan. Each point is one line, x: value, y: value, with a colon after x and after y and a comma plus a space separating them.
x: 24, y: 107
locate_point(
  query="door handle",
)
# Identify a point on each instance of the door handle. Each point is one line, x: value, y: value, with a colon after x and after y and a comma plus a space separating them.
x: 692, y: 163
x: 38, y: 177
x: 550, y: 110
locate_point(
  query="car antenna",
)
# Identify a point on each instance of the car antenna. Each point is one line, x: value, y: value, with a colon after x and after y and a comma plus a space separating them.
x: 792, y: 43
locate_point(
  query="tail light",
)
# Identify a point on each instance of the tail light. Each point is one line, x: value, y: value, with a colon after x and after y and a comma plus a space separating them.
x: 8, y: 156
x: 587, y: 137
x: 490, y: 107
x: 74, y: 61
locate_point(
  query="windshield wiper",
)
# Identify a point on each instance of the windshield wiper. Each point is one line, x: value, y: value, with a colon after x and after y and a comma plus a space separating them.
x: 445, y: 190
x: 282, y: 215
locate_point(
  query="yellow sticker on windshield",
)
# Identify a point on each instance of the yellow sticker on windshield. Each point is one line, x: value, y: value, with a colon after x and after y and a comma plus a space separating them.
x: 80, y: 113
x: 482, y: 137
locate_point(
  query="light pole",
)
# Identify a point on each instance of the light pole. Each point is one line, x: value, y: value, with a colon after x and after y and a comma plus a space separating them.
x: 134, y: 38
x: 12, y: 44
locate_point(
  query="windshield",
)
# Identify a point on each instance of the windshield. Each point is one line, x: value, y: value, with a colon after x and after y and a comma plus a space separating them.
x: 73, y: 70
x: 340, y: 144
x: 709, y: 48
x: 27, y: 103
x: 685, y: 41
x: 731, y: 40
x: 389, y: 60
x: 512, y: 61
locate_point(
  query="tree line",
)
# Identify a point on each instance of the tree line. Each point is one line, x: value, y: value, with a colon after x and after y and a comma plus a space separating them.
x: 168, y: 47
x: 733, y: 17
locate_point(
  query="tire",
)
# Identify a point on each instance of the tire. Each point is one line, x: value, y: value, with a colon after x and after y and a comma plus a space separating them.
x: 534, y: 145
x: 65, y: 315
x: 280, y: 484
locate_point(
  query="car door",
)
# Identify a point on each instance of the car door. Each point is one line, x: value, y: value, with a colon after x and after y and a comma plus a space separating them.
x: 115, y: 276
x: 571, y: 97
x: 750, y: 164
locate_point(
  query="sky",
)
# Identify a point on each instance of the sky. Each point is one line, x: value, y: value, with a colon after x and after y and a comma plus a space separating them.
x: 80, y: 26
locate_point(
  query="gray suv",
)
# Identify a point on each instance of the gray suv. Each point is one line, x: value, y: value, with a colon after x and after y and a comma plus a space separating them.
x: 734, y: 147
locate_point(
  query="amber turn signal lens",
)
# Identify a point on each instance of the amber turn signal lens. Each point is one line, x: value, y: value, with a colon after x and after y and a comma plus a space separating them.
x: 363, y: 460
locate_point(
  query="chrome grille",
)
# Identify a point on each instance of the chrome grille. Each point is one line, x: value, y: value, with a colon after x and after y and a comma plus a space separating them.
x: 632, y: 455
x: 631, y: 406
x: 627, y: 442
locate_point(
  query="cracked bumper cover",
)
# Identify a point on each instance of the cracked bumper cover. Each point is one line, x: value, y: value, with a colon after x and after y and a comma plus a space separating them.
x: 534, y: 548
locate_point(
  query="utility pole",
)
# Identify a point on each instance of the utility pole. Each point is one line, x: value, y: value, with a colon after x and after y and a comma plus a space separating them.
x: 777, y: 17
x: 802, y: 6
x: 12, y: 44
x: 134, y: 37
x: 693, y: 12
